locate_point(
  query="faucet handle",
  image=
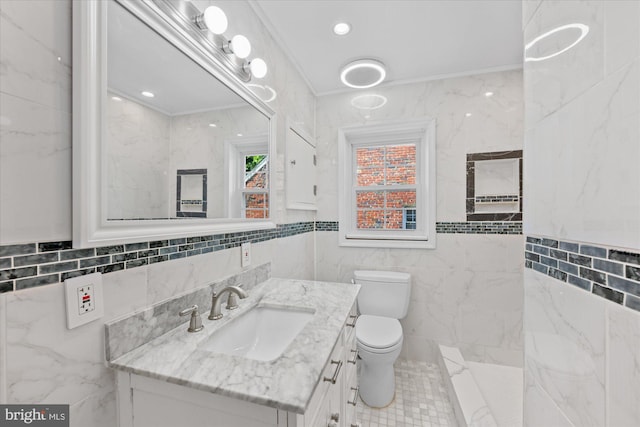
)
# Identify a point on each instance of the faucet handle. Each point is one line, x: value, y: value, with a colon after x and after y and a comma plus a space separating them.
x: 232, y: 301
x: 195, y: 323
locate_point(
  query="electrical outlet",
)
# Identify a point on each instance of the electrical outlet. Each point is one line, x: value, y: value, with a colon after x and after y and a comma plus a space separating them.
x: 84, y: 299
x: 246, y: 254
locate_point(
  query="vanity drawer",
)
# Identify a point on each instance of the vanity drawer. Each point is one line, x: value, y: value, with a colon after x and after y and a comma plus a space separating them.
x: 350, y: 324
x: 333, y: 369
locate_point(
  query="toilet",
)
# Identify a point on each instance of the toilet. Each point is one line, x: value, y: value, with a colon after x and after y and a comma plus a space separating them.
x: 383, y: 299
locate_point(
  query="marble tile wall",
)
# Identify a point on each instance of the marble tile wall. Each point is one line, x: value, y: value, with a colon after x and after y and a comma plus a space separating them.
x: 40, y: 359
x: 468, y: 291
x: 582, y: 126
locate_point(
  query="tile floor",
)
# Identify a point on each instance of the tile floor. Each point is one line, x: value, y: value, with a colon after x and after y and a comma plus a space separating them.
x: 421, y: 400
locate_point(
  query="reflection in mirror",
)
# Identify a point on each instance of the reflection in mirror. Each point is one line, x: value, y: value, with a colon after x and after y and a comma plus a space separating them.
x: 494, y: 186
x: 165, y: 113
x: 191, y: 193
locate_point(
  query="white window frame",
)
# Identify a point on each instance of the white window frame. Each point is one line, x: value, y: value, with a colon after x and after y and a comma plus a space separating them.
x: 235, y: 151
x: 421, y: 132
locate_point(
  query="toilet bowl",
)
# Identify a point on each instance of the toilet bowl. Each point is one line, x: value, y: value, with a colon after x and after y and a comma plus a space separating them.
x: 379, y: 340
x: 383, y: 299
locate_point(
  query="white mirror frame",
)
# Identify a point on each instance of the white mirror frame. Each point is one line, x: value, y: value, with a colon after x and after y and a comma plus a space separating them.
x: 90, y: 225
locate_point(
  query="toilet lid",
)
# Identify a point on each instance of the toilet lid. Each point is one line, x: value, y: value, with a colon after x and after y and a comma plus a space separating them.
x: 377, y: 331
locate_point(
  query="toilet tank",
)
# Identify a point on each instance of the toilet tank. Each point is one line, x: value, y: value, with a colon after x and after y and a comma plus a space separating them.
x: 383, y: 293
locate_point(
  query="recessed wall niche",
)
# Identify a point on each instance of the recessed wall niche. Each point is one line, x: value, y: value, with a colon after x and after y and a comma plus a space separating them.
x: 494, y: 186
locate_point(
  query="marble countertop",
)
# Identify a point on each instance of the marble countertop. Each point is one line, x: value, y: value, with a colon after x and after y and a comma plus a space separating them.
x: 287, y: 382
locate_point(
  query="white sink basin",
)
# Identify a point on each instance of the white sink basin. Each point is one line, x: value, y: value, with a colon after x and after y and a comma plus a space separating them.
x: 262, y: 333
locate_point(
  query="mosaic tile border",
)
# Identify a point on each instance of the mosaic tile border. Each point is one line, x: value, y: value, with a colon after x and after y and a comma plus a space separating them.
x: 479, y: 227
x: 29, y: 265
x: 610, y: 273
x: 471, y: 227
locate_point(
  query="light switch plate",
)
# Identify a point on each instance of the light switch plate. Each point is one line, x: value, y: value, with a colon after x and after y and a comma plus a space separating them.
x: 84, y: 299
x: 246, y: 254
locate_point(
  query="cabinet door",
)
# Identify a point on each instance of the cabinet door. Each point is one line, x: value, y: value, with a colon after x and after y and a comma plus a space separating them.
x: 300, y: 170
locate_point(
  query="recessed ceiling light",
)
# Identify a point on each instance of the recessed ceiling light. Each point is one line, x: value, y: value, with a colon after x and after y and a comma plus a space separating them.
x: 213, y: 125
x: 239, y: 134
x: 341, y: 29
x: 488, y: 94
x: 363, y: 73
x: 468, y: 115
x: 147, y: 94
x: 116, y: 98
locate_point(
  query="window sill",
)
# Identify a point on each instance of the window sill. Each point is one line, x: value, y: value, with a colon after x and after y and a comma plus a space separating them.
x: 389, y: 244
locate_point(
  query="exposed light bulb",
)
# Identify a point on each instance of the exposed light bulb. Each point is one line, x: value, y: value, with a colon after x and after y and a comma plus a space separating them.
x: 240, y: 46
x: 258, y: 68
x: 214, y: 19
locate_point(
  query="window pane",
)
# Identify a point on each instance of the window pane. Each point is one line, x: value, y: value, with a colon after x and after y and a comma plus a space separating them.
x: 256, y: 171
x: 370, y: 219
x: 370, y: 199
x: 394, y: 219
x: 256, y: 205
x: 370, y: 166
x: 401, y: 164
x: 401, y: 199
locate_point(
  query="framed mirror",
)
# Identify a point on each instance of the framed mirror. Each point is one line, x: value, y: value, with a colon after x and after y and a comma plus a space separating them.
x: 153, y: 100
x: 494, y: 186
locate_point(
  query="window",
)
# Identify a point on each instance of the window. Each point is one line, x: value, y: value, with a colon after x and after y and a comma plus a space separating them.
x: 247, y: 187
x: 387, y: 193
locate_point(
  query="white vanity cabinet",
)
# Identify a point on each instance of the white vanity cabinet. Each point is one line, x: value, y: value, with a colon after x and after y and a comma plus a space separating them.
x: 149, y: 402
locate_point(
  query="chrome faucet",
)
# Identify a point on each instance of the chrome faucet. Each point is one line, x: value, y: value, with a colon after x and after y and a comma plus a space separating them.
x: 232, y: 301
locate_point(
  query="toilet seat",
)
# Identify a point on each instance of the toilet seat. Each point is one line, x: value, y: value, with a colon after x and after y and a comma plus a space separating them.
x: 378, y: 334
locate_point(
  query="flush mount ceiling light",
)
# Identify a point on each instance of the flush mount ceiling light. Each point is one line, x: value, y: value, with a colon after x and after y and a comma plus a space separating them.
x: 341, y: 29
x: 363, y: 73
x: 370, y: 101
x: 584, y: 30
x: 213, y: 18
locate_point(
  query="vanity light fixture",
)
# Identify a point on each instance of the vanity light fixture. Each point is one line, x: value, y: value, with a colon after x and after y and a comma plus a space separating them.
x: 238, y: 45
x: 342, y: 29
x: 147, y: 94
x: 363, y: 73
x: 584, y: 30
x: 213, y: 19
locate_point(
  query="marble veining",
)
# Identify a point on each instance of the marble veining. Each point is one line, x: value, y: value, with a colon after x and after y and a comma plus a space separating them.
x: 286, y: 383
x: 133, y: 331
